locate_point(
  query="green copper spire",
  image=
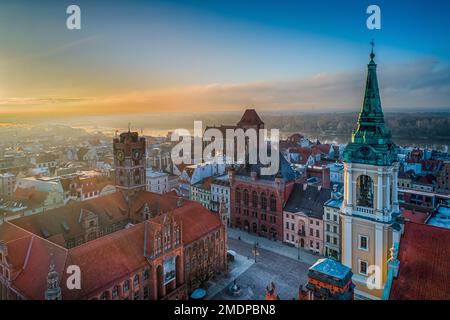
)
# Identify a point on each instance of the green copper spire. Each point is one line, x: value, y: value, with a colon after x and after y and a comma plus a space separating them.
x: 371, y: 141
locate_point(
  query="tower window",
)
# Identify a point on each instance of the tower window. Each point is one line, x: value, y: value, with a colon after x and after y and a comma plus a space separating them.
x: 364, y: 191
x: 363, y: 242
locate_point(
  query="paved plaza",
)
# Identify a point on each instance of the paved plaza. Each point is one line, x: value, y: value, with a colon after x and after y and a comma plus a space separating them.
x: 253, y: 277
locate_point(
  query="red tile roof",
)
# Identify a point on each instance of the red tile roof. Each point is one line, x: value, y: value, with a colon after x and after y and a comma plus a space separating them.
x: 103, y: 261
x: 250, y: 117
x: 415, y: 216
x: 424, y: 272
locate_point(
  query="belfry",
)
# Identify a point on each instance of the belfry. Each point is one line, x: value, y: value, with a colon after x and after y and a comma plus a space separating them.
x: 370, y: 206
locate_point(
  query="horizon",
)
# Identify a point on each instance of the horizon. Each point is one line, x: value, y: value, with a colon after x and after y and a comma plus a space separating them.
x: 176, y: 56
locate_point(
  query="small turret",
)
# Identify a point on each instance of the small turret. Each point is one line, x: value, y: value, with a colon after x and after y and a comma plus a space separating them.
x: 53, y: 291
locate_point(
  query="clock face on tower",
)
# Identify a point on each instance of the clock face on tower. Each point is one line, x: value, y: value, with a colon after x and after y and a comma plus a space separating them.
x: 120, y: 155
x: 137, y: 154
x: 365, y: 152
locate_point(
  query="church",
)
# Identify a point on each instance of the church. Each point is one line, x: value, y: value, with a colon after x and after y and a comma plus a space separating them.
x: 370, y: 208
x: 128, y: 245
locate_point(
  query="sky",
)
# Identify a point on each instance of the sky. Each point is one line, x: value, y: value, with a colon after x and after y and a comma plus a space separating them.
x: 215, y: 55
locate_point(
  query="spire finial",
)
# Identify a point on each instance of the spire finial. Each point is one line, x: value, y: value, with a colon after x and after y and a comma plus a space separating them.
x: 372, y: 55
x: 129, y: 126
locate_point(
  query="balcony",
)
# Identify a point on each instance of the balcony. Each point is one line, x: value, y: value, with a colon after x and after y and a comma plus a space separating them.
x: 364, y: 210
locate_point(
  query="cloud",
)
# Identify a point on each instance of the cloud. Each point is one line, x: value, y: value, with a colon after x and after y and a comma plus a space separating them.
x: 414, y: 85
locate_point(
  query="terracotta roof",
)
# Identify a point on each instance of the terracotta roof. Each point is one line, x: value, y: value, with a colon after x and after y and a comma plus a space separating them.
x: 321, y: 149
x: 415, y: 216
x: 104, y: 260
x: 250, y: 117
x: 191, y: 214
x: 424, y: 256
x: 107, y: 259
x: 109, y: 208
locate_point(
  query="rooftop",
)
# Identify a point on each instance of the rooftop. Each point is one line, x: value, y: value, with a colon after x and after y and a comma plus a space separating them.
x: 424, y: 256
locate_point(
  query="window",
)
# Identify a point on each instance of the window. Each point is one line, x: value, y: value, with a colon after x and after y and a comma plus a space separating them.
x: 136, y: 280
x: 146, y: 293
x: 363, y: 243
x: 335, y: 229
x: 363, y: 267
x: 292, y: 238
x: 328, y: 238
x: 273, y: 203
x: 104, y: 296
x: 146, y: 274
x: 238, y: 196
x: 287, y: 236
x: 246, y: 198
x: 263, y: 201
x: 287, y: 225
x: 126, y: 286
x: 317, y: 234
x: 292, y: 226
x: 115, y: 292
x: 255, y: 199
x: 136, y: 295
x: 311, y: 232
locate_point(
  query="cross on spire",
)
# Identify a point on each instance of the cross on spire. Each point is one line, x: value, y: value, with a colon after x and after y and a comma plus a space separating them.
x: 372, y: 55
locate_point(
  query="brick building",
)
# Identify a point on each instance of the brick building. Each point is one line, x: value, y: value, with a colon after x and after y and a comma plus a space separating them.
x: 130, y: 244
x: 257, y: 201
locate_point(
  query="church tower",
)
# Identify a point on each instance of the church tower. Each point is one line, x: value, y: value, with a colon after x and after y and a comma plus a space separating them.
x: 129, y: 161
x: 370, y: 206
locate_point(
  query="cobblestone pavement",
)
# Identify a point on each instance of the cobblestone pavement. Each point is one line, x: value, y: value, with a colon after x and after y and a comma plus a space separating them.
x: 285, y: 272
x: 275, y: 246
x: 235, y: 269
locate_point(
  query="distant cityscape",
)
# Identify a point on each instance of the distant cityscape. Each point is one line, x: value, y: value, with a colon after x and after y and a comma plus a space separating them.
x: 365, y: 219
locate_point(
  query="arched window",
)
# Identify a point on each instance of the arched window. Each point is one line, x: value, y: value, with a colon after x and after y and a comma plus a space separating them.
x: 104, y: 296
x: 115, y: 292
x: 136, y: 280
x: 238, y: 196
x: 255, y: 199
x: 246, y: 198
x: 364, y: 191
x: 126, y: 286
x: 263, y: 201
x: 273, y: 203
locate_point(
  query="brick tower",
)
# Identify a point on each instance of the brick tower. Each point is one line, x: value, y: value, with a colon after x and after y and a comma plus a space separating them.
x: 129, y: 161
